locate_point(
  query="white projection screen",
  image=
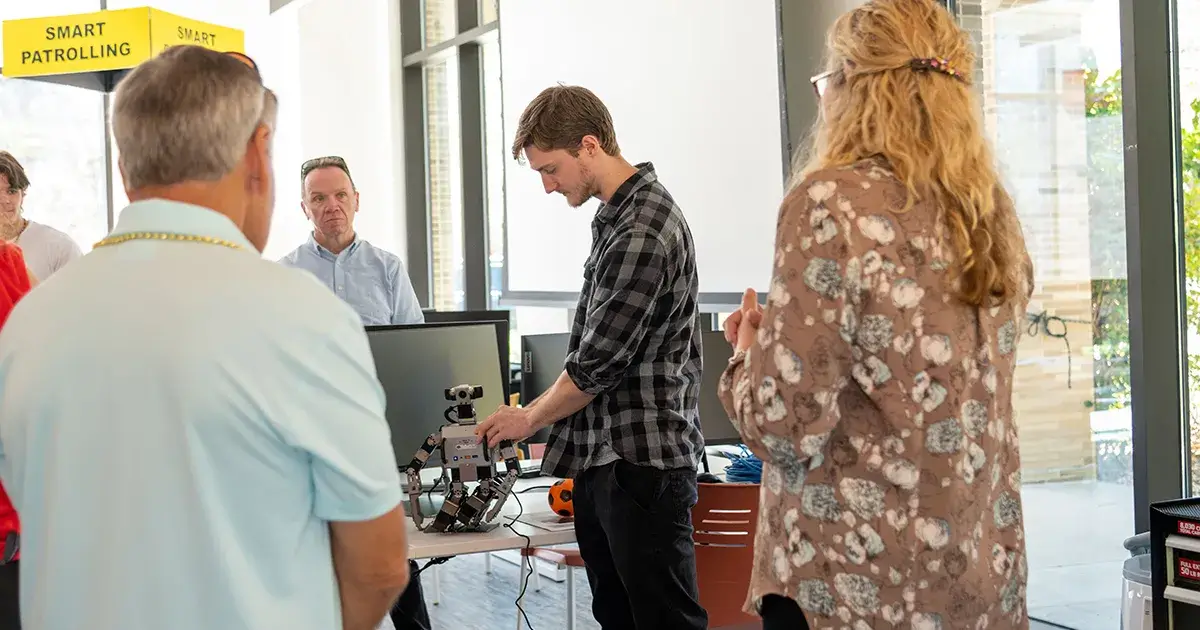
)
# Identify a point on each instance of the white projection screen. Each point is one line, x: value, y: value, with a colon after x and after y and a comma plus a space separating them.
x: 694, y: 88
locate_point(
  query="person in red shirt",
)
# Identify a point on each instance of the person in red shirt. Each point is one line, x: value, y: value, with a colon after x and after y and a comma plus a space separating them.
x: 15, y: 282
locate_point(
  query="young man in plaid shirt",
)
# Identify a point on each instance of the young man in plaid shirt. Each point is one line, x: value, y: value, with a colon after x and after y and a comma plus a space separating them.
x: 625, y: 410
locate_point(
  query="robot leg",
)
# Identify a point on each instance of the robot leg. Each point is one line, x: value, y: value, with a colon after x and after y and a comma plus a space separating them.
x: 449, y: 512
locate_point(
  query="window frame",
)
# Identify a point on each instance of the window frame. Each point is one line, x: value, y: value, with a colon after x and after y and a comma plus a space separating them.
x: 467, y: 48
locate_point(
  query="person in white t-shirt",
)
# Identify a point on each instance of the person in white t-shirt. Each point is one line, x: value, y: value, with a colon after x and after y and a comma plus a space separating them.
x: 46, y: 249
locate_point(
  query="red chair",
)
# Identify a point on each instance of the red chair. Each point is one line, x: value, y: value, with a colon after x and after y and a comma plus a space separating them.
x: 725, y: 519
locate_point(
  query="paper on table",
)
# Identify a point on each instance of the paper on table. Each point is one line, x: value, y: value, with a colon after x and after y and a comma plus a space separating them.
x: 548, y: 521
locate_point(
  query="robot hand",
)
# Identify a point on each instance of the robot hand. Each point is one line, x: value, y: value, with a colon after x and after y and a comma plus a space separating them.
x: 414, y: 497
x: 503, y: 489
x: 413, y: 474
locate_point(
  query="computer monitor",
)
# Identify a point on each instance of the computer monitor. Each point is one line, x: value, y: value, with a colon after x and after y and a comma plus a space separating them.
x: 417, y: 363
x: 463, y: 317
x: 542, y: 358
x: 714, y: 422
x: 542, y: 361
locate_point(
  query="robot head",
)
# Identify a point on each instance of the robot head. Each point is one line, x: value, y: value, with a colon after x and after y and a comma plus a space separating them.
x: 464, y: 394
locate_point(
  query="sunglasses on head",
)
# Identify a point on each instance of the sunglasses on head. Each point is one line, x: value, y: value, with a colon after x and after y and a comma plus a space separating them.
x: 244, y: 58
x: 329, y: 160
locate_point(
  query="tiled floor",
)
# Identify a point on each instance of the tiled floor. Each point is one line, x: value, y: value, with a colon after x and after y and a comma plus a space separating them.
x: 1074, y: 530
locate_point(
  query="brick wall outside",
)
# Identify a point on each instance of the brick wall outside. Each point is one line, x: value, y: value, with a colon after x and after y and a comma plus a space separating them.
x: 1054, y: 419
x: 439, y: 26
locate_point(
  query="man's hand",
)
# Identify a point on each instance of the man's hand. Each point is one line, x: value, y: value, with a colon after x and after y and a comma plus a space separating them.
x: 506, y: 423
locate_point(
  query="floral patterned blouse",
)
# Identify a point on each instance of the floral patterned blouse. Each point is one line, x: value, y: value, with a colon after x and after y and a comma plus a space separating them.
x: 881, y: 407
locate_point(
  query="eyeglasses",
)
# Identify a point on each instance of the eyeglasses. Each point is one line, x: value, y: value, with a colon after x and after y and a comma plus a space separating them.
x: 821, y: 82
x: 323, y: 162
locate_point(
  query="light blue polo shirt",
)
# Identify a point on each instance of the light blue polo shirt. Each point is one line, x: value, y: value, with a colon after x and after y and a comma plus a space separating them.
x: 369, y: 279
x: 179, y: 423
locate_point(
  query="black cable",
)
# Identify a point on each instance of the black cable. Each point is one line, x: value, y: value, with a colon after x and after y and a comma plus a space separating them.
x: 533, y: 488
x: 525, y: 557
x: 1051, y: 623
x: 431, y: 562
x: 1039, y: 323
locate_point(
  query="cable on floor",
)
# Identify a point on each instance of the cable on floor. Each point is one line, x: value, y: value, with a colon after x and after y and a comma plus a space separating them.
x: 525, y: 557
x: 1051, y: 623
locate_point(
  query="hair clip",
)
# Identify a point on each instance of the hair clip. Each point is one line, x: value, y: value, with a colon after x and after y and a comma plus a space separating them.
x: 936, y: 64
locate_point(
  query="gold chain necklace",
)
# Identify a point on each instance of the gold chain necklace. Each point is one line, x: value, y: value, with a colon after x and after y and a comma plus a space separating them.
x: 165, y: 236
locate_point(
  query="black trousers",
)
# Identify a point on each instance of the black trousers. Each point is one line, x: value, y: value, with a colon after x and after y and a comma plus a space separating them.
x: 782, y: 613
x: 10, y: 596
x: 634, y: 527
x: 409, y: 612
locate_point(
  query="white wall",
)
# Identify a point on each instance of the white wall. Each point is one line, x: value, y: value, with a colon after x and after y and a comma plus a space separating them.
x: 693, y: 86
x: 275, y: 46
x: 342, y: 81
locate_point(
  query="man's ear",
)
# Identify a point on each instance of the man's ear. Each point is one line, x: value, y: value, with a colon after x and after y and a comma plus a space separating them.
x: 258, y: 158
x: 589, y: 146
x: 356, y: 201
x: 304, y: 209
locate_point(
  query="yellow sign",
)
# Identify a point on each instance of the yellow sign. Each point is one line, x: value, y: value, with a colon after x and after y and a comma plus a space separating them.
x: 105, y: 40
x: 172, y: 30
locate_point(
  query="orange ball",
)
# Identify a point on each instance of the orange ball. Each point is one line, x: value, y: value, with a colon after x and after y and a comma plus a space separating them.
x: 560, y: 497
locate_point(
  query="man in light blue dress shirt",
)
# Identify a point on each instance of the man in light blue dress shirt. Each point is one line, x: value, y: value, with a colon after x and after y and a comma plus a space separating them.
x: 369, y: 279
x: 207, y: 447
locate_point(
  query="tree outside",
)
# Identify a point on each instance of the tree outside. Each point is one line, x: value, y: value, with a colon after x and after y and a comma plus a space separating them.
x: 1110, y: 303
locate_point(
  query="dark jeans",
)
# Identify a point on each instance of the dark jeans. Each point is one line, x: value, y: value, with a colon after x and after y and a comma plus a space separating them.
x: 10, y: 597
x: 634, y: 527
x: 409, y: 612
x: 782, y: 613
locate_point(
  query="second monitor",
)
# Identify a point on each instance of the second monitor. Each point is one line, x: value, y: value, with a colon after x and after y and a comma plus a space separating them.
x: 543, y: 357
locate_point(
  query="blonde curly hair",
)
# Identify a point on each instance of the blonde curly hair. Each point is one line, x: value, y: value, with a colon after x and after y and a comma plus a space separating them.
x: 925, y: 123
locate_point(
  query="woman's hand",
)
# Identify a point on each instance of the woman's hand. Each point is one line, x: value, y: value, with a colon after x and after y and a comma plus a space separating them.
x: 742, y: 326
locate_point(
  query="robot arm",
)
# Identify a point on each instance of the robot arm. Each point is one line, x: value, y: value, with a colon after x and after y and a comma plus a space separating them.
x: 413, y: 472
x: 503, y: 488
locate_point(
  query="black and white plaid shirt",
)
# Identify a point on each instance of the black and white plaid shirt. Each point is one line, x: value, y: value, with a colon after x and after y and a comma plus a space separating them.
x: 635, y: 343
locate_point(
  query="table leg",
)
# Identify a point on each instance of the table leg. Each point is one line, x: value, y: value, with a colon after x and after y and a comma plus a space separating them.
x: 570, y: 598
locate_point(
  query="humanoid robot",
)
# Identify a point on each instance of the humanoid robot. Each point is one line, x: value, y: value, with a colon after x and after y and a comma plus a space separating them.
x: 464, y: 460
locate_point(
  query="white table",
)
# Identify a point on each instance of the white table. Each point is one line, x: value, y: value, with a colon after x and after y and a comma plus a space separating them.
x: 423, y: 545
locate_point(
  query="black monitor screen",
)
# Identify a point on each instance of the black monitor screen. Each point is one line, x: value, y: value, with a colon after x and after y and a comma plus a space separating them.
x: 543, y: 356
x: 542, y: 361
x: 466, y: 317
x: 417, y: 363
x: 714, y: 422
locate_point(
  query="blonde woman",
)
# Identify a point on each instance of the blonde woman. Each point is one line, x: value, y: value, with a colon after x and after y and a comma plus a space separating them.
x: 877, y: 383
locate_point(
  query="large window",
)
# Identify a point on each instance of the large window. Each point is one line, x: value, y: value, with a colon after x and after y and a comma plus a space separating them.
x: 1189, y: 92
x: 441, y: 22
x: 1050, y: 86
x: 461, y: 194
x: 495, y: 162
x: 445, y: 183
x: 57, y: 133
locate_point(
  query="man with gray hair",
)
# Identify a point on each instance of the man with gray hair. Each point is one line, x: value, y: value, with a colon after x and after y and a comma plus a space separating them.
x: 206, y: 448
